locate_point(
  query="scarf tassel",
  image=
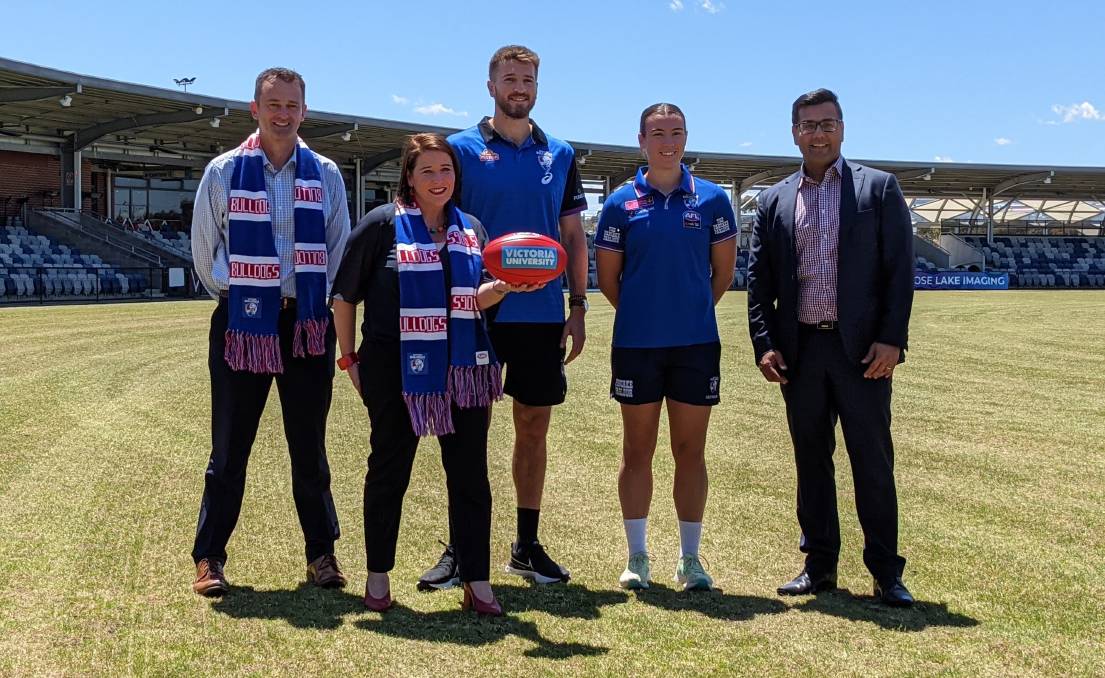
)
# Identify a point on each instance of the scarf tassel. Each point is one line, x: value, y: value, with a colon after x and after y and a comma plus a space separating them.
x: 315, y: 329
x: 476, y: 385
x: 430, y: 413
x: 257, y: 353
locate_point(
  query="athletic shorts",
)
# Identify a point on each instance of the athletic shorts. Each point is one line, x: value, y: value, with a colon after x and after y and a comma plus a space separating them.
x: 686, y: 374
x: 534, y: 361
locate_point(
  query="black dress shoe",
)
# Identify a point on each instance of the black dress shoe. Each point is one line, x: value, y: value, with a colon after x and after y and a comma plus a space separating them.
x: 893, y: 593
x: 804, y: 584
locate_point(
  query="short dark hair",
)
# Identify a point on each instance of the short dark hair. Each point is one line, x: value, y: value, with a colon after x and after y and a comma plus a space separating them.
x: 661, y: 109
x: 414, y: 146
x: 517, y: 53
x: 817, y: 96
x: 277, y: 73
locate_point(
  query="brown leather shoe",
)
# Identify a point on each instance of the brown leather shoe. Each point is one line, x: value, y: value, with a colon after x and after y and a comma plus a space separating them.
x: 324, y: 571
x: 210, y: 580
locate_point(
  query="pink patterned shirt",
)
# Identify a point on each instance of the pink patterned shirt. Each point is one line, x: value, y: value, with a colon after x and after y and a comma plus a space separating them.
x: 816, y: 232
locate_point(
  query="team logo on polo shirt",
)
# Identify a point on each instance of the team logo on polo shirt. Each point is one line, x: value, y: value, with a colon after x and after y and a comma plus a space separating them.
x: 416, y: 363
x: 251, y: 306
x: 692, y: 219
x: 545, y: 159
x: 690, y: 201
x: 488, y: 155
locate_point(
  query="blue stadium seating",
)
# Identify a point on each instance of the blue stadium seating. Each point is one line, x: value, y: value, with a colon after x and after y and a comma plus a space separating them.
x: 1042, y: 262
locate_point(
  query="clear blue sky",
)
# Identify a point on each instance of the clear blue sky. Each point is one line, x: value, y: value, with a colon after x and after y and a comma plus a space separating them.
x: 994, y: 82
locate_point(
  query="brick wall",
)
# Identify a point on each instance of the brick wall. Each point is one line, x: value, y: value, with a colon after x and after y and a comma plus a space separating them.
x: 38, y: 179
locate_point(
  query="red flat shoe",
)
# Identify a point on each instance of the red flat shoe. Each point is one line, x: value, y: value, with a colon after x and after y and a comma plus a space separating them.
x: 472, y: 602
x: 377, y: 604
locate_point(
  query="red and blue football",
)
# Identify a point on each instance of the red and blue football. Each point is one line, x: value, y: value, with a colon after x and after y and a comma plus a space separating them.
x: 525, y: 258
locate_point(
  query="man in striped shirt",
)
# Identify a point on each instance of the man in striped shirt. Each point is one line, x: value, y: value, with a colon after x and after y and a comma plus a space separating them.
x: 830, y: 288
x: 305, y: 385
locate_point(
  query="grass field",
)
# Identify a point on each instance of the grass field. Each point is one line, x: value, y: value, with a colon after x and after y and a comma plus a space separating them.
x: 1000, y: 437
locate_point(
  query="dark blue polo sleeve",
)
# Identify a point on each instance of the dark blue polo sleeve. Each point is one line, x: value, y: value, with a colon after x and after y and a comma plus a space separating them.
x: 612, y: 229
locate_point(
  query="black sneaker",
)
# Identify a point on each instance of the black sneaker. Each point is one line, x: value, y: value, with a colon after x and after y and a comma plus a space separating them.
x: 531, y: 562
x: 444, y: 575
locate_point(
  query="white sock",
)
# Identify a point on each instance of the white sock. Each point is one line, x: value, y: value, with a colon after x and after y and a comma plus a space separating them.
x: 636, y: 534
x: 690, y: 534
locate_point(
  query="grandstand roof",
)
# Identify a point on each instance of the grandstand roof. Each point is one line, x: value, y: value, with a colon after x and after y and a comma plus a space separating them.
x: 47, y: 110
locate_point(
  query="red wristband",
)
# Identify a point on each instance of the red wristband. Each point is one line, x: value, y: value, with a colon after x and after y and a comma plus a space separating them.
x: 347, y: 361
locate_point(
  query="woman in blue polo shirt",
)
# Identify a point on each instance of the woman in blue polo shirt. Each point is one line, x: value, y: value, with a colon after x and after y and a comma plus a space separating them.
x: 666, y: 248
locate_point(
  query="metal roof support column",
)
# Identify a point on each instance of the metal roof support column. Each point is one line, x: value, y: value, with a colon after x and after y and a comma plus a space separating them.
x: 111, y: 195
x: 358, y: 190
x: 989, y: 198
x: 70, y: 178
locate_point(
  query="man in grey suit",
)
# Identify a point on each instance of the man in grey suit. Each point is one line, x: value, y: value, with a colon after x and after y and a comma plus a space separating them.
x: 830, y: 288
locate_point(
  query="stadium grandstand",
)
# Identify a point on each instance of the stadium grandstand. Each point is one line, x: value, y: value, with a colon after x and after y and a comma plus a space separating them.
x: 98, y: 177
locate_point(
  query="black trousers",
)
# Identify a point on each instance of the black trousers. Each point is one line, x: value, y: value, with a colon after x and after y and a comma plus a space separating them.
x: 825, y: 386
x: 393, y: 445
x: 237, y: 401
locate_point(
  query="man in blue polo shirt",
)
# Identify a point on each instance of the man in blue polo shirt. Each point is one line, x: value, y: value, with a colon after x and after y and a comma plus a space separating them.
x: 514, y: 177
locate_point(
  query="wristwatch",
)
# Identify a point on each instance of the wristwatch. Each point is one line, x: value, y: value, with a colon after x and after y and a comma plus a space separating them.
x: 348, y: 360
x: 578, y: 301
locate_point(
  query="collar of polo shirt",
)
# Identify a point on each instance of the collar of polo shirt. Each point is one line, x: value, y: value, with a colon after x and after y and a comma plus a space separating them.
x: 686, y: 181
x: 488, y: 133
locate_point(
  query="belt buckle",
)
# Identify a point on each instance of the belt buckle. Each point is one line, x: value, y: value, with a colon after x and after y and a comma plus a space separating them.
x: 286, y: 302
x: 825, y: 324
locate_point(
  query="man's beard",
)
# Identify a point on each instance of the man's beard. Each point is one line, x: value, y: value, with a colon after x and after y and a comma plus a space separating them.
x: 519, y: 110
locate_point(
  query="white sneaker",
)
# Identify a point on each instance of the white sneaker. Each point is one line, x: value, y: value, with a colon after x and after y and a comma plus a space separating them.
x: 690, y: 574
x: 636, y: 573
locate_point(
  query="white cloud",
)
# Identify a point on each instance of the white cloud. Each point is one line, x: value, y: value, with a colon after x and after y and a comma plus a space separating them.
x: 439, y: 109
x: 402, y: 101
x: 676, y: 5
x: 1082, y: 111
x: 745, y: 144
x: 942, y: 158
x: 711, y: 7
x: 1002, y: 141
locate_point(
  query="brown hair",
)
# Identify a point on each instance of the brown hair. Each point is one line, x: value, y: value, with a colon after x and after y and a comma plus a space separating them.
x: 284, y: 74
x: 661, y: 109
x: 416, y: 145
x: 518, y: 53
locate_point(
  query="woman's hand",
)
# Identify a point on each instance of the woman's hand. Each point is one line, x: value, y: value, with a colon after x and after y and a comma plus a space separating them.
x: 502, y: 287
x: 355, y: 377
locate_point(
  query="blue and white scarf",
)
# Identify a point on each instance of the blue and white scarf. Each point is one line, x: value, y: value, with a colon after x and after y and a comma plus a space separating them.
x: 252, y: 342
x: 446, y: 353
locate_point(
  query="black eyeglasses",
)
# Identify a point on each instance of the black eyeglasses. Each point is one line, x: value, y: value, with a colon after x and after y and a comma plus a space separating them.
x: 828, y: 125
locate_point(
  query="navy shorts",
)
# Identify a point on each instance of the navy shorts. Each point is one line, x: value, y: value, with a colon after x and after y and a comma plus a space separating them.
x: 686, y: 374
x: 534, y: 361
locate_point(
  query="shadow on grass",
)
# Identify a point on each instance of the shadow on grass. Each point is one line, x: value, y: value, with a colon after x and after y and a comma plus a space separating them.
x: 306, y: 606
x: 715, y: 604
x: 842, y: 603
x: 465, y: 628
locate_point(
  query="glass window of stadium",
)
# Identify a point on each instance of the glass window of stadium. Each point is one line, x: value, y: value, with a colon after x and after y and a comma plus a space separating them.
x: 159, y: 200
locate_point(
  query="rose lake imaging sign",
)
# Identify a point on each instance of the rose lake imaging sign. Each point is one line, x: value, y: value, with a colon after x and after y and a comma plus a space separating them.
x: 959, y: 280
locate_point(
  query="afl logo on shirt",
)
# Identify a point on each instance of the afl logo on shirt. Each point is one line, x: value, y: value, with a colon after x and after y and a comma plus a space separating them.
x: 692, y: 219
x: 545, y: 159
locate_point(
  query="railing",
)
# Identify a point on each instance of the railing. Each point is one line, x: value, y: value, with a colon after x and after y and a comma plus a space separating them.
x: 131, y: 233
x: 72, y: 218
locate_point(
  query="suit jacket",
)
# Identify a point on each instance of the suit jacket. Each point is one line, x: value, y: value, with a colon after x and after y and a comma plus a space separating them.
x: 874, y: 291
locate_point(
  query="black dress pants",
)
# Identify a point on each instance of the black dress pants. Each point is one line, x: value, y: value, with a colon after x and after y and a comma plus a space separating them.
x: 825, y: 385
x: 237, y: 401
x: 393, y: 445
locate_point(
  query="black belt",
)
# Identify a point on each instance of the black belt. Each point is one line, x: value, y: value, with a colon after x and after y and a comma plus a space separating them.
x: 826, y: 325
x: 285, y: 302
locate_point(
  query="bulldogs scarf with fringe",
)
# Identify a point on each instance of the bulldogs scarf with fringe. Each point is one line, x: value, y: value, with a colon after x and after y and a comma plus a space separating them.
x: 446, y: 353
x: 252, y: 342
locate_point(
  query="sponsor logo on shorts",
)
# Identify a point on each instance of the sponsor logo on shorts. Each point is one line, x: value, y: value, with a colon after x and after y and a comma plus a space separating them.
x: 416, y: 363
x: 715, y: 382
x: 251, y: 307
x: 721, y: 226
x: 529, y: 257
x: 623, y: 388
x: 692, y: 219
x: 488, y: 155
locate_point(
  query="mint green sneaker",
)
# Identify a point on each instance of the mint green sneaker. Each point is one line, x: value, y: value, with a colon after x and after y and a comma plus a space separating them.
x: 690, y: 574
x: 636, y: 574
